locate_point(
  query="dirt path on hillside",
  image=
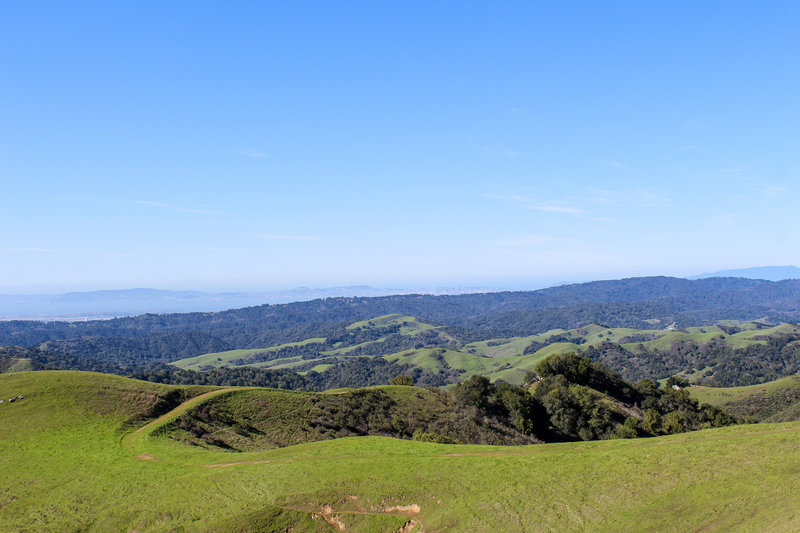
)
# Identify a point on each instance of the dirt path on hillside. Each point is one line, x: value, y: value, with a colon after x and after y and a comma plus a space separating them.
x: 334, y: 518
x: 257, y: 462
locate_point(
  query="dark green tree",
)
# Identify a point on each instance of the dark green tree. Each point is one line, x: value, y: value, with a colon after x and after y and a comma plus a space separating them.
x: 402, y: 379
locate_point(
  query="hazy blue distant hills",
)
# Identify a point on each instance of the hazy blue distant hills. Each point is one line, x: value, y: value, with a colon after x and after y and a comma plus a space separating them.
x: 632, y: 302
x: 770, y: 273
x: 129, y: 302
x: 104, y: 304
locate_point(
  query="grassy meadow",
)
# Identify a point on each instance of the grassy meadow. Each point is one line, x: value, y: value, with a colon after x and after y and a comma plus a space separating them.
x: 71, y: 459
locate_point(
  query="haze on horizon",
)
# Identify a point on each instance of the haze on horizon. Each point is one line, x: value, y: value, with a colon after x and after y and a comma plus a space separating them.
x: 215, y: 147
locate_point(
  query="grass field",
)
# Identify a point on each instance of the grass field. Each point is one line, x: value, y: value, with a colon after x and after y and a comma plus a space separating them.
x: 723, y: 395
x: 776, y: 401
x: 218, y: 359
x: 70, y: 459
x: 409, y: 325
x: 17, y: 365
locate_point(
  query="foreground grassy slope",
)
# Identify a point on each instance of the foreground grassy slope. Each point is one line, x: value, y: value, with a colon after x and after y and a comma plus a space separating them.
x: 66, y: 464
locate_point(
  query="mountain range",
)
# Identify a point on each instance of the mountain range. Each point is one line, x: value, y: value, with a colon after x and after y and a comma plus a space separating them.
x: 104, y: 304
x: 771, y: 273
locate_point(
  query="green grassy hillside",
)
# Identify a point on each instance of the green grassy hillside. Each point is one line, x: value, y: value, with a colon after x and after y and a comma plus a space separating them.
x: 71, y: 459
x: 218, y: 359
x: 13, y: 364
x: 409, y: 325
x: 776, y: 401
x: 432, y: 348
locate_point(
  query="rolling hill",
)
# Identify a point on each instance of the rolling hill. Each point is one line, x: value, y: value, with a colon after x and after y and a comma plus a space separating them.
x: 638, y: 354
x: 86, y: 451
x: 633, y: 302
x: 775, y: 401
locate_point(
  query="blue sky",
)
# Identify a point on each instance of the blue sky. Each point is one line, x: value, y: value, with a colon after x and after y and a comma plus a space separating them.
x: 215, y: 145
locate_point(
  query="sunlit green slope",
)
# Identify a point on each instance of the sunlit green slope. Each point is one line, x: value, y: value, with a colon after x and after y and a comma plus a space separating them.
x: 775, y: 401
x: 71, y: 459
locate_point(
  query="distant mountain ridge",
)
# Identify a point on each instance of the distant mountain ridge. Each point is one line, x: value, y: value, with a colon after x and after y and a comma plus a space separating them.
x: 769, y: 273
x: 632, y: 302
x: 442, y: 339
x: 102, y: 304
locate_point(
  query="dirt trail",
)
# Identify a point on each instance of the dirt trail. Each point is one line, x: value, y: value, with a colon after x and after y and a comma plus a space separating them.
x: 334, y: 518
x: 259, y: 462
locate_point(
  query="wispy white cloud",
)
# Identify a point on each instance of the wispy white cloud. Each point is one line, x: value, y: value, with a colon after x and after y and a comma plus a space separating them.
x: 25, y: 250
x: 252, y: 152
x: 288, y: 237
x: 499, y: 151
x: 637, y: 196
x: 773, y: 191
x: 556, y: 209
x: 120, y: 254
x: 614, y: 164
x: 209, y: 248
x: 535, y: 205
x: 493, y: 150
x: 521, y: 113
x: 177, y: 208
x: 509, y: 197
x: 148, y: 203
x: 725, y: 221
x: 525, y: 241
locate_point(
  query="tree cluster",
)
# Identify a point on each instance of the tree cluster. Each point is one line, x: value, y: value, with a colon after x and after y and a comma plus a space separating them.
x: 577, y: 399
x: 725, y: 365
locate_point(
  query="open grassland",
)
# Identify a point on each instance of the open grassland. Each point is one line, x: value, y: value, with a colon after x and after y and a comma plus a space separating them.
x: 511, y: 369
x: 71, y: 459
x: 409, y: 325
x: 722, y: 395
x: 776, y: 401
x: 513, y: 346
x: 16, y: 365
x: 218, y: 359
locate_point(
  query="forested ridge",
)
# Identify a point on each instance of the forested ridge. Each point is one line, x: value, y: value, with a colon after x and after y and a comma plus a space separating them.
x: 725, y: 366
x: 333, y: 353
x: 627, y: 302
